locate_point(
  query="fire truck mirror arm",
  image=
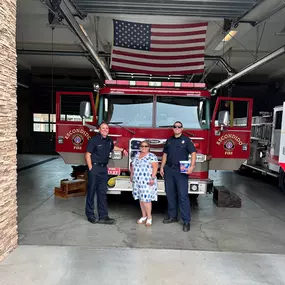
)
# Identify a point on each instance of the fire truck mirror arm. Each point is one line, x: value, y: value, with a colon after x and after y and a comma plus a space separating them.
x: 223, y: 119
x: 85, y: 110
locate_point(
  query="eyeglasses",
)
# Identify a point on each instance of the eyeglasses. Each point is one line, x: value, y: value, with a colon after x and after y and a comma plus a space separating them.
x: 144, y: 146
x: 177, y: 127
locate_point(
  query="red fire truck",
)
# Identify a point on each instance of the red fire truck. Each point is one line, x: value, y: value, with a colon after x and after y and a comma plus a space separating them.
x: 138, y: 110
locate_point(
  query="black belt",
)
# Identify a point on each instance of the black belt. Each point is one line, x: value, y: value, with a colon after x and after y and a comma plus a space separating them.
x: 173, y: 165
x: 100, y: 164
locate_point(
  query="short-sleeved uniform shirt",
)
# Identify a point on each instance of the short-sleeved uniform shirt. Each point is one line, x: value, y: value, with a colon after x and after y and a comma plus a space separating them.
x: 100, y: 149
x: 178, y: 149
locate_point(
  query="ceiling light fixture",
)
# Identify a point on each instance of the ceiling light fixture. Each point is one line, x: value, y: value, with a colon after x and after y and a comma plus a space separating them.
x: 229, y: 36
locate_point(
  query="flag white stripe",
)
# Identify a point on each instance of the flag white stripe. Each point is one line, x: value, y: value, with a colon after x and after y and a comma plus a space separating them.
x: 181, y: 30
x: 159, y: 53
x: 170, y: 61
x: 158, y: 69
x: 178, y: 45
x: 163, y: 38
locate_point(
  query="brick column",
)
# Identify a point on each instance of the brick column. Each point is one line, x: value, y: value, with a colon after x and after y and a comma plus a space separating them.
x: 8, y: 148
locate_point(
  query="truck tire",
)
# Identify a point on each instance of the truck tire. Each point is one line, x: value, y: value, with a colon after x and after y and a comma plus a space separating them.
x: 282, y: 180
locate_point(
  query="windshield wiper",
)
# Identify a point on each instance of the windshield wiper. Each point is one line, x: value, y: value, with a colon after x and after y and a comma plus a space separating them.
x: 118, y: 124
x: 170, y: 126
x: 190, y: 134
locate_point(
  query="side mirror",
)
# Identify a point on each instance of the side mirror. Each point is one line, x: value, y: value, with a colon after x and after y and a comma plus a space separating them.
x: 223, y: 118
x: 85, y: 110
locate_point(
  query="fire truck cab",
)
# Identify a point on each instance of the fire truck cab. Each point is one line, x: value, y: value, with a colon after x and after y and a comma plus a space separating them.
x: 139, y: 110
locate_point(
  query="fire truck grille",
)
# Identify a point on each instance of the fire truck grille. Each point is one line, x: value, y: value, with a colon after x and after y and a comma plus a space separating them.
x: 156, y: 146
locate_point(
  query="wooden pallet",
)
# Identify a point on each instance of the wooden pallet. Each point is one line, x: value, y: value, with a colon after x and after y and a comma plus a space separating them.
x: 71, y: 188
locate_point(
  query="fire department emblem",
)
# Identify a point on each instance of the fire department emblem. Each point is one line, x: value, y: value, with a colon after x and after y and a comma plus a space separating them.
x: 77, y: 139
x: 229, y: 145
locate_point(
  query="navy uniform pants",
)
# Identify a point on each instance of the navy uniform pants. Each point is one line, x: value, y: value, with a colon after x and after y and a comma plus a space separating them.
x: 176, y: 188
x: 97, y: 183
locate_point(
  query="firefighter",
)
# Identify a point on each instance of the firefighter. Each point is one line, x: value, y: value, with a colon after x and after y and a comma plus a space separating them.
x: 97, y: 157
x: 177, y: 148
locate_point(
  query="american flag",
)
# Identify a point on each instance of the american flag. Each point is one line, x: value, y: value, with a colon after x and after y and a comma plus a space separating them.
x: 158, y: 49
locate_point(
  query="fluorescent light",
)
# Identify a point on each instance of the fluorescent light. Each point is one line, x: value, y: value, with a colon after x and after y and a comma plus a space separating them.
x: 231, y: 34
x: 83, y: 30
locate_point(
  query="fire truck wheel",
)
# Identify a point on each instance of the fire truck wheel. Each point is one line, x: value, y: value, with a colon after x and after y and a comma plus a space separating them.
x: 282, y: 180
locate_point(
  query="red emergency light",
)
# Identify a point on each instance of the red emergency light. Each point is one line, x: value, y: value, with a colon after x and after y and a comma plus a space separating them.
x: 166, y: 84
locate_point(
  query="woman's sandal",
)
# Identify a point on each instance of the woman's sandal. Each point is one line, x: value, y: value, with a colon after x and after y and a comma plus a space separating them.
x: 142, y: 220
x: 148, y: 222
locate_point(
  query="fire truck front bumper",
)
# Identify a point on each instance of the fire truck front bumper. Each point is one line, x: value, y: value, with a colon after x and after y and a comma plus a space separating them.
x: 119, y: 184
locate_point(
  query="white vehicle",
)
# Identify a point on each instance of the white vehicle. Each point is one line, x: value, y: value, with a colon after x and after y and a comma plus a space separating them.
x: 265, y: 145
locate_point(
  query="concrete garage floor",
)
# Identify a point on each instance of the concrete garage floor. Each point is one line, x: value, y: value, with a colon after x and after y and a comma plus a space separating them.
x: 53, y: 233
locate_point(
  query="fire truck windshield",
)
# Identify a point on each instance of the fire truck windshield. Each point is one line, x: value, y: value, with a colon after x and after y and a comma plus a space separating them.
x: 138, y: 111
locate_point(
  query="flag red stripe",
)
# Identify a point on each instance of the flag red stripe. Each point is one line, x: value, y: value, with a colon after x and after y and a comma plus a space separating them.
x: 166, y: 57
x: 178, y: 49
x: 182, y: 34
x: 133, y: 70
x: 178, y: 26
x: 164, y: 65
x: 171, y: 42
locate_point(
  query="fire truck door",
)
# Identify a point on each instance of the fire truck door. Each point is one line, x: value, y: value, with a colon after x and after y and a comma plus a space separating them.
x: 230, y: 133
x: 282, y: 143
x: 71, y: 136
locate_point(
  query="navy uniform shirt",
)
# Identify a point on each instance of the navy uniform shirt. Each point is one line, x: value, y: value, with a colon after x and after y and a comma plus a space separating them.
x: 178, y: 149
x: 100, y: 149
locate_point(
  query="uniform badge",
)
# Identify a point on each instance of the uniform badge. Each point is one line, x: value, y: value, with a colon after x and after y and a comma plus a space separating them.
x: 183, y: 141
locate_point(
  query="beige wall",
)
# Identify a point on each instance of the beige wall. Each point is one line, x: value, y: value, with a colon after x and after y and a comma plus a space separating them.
x: 8, y: 105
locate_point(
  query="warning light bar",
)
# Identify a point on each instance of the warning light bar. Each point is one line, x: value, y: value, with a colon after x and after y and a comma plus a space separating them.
x: 155, y: 84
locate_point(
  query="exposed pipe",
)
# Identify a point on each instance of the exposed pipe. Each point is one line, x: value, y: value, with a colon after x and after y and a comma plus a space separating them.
x: 207, y: 72
x: 228, y: 68
x: 79, y: 13
x: 275, y: 11
x: 257, y: 23
x: 22, y: 85
x: 249, y: 68
x: 54, y: 53
x: 81, y: 35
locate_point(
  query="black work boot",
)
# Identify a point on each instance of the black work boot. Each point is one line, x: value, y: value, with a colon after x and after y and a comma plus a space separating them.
x: 92, y: 220
x: 170, y: 220
x: 186, y: 227
x: 106, y: 221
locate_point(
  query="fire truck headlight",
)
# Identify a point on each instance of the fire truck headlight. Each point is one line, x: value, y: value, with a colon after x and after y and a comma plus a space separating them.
x: 193, y: 187
x: 60, y: 140
x: 244, y: 146
x: 116, y: 155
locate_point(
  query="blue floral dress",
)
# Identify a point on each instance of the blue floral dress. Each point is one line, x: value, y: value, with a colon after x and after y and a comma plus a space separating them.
x: 141, y: 176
